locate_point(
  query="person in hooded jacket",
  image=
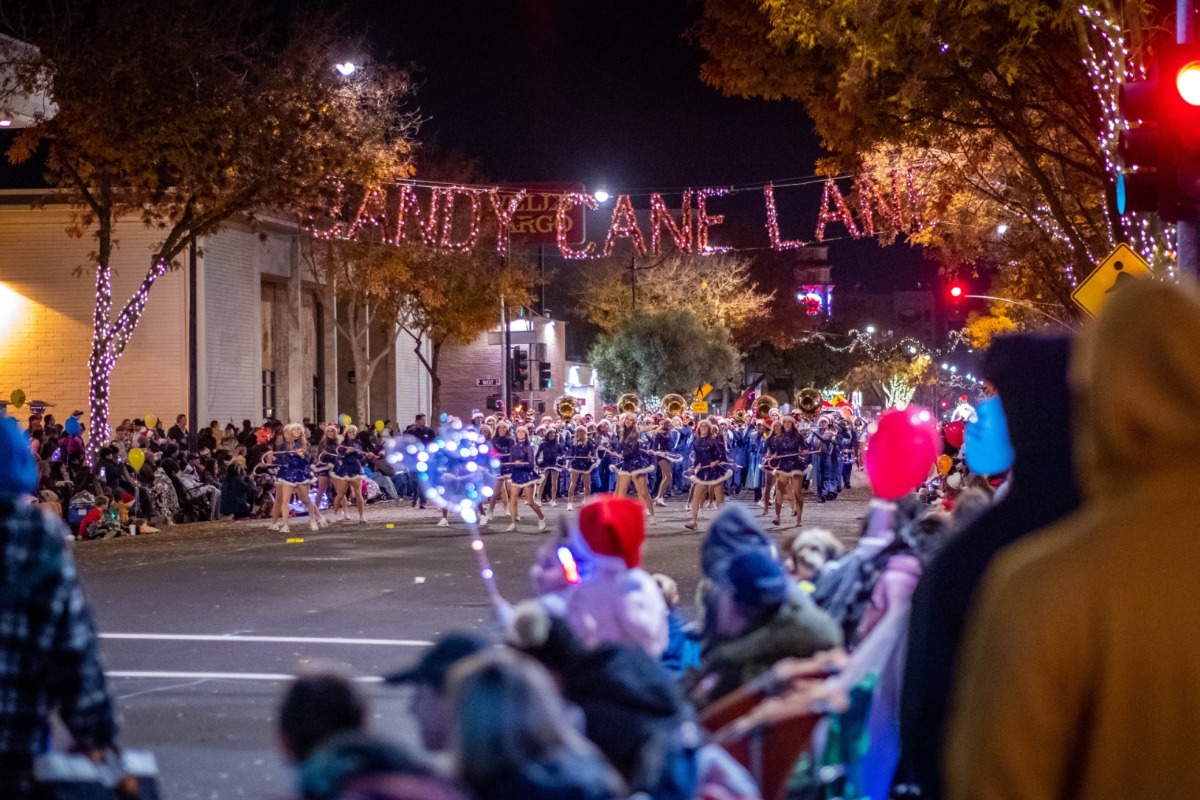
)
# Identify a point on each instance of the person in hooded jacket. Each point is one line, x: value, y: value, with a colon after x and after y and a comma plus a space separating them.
x: 1077, y: 677
x: 1030, y: 375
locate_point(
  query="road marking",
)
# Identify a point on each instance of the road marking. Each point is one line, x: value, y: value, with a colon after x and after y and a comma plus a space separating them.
x: 219, y: 676
x: 235, y: 637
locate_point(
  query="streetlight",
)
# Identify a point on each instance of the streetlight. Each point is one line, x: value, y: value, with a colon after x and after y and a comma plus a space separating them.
x: 870, y: 329
x: 601, y: 196
x: 345, y: 68
x: 1002, y: 229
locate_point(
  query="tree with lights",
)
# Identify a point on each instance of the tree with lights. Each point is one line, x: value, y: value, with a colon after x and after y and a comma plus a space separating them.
x: 1008, y: 107
x: 717, y: 288
x: 895, y: 380
x: 187, y: 115
x: 654, y: 352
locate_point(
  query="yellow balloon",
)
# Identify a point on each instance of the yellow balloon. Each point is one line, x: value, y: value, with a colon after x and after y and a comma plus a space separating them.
x: 151, y: 421
x: 379, y: 425
x: 17, y: 398
x: 944, y: 464
x: 137, y: 458
x: 345, y: 420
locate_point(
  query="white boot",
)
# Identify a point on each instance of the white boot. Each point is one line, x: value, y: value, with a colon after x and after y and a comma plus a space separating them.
x: 512, y: 526
x: 443, y: 523
x: 570, y: 506
x: 284, y: 528
x: 542, y: 524
x: 312, y: 524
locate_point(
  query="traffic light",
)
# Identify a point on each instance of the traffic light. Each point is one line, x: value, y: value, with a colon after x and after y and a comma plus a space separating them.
x: 543, y: 375
x: 1161, y: 155
x: 957, y: 291
x: 520, y: 368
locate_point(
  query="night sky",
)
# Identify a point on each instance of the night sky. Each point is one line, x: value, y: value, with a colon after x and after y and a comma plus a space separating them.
x: 608, y: 93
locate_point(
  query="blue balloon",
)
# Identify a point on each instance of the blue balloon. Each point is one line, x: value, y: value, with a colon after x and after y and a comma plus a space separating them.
x: 456, y: 471
x: 987, y: 447
x: 71, y: 426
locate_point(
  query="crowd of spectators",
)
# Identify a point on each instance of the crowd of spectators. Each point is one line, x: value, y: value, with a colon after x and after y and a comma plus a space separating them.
x: 216, y: 472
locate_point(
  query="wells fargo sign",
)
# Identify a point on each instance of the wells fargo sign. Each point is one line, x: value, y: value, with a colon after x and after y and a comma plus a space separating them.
x: 536, y: 217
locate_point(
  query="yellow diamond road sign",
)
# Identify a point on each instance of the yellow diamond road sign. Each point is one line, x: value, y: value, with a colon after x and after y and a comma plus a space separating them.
x: 1118, y: 268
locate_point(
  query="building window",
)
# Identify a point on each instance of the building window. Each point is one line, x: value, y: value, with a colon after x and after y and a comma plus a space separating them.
x: 268, y: 393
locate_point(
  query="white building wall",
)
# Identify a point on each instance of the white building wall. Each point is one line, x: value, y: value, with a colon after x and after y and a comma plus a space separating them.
x: 412, y: 384
x: 46, y: 318
x: 232, y: 326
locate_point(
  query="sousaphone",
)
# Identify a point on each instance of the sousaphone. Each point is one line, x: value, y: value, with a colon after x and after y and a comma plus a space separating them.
x: 628, y: 402
x: 764, y: 405
x: 674, y: 404
x: 809, y: 402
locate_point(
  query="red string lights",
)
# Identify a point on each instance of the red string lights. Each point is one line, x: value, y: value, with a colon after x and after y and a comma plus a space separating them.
x: 624, y: 226
x: 565, y: 203
x: 398, y: 214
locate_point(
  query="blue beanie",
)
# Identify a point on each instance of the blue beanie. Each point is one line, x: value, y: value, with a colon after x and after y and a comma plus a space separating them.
x: 731, y: 533
x: 756, y: 580
x: 18, y: 472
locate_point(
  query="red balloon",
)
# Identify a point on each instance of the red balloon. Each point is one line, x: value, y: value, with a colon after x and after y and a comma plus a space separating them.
x: 955, y: 431
x: 901, y: 451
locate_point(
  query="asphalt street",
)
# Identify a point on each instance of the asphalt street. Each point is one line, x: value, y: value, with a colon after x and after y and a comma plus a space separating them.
x: 202, y: 624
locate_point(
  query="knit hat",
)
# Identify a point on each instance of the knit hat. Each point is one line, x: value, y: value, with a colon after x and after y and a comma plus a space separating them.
x: 614, y: 527
x: 756, y: 581
x: 18, y: 473
x: 731, y: 533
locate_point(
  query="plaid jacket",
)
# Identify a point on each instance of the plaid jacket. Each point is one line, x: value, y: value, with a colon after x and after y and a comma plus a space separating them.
x: 49, y: 656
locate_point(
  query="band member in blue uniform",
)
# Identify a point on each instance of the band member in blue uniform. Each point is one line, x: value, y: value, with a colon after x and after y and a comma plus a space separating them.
x: 327, y: 459
x: 581, y: 460
x: 524, y: 479
x: 294, y: 475
x: 348, y: 475
x: 663, y: 445
x: 503, y: 444
x: 635, y: 463
x: 786, y: 459
x: 710, y: 471
x: 548, y: 454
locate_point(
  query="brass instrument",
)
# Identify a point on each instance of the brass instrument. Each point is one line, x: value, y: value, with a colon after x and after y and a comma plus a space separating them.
x: 628, y: 402
x: 739, y: 416
x: 674, y: 404
x: 565, y: 406
x: 764, y: 405
x: 809, y: 401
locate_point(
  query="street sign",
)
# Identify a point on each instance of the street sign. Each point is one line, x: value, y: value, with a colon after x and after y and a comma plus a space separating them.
x: 487, y: 381
x: 1116, y: 270
x: 699, y: 407
x: 703, y: 392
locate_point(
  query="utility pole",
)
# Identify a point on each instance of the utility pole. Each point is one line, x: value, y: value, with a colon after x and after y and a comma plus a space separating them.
x: 505, y: 350
x: 1187, y: 231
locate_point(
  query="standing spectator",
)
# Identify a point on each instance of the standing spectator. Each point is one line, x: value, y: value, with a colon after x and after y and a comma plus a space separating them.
x: 1030, y: 375
x: 426, y: 435
x: 1078, y: 674
x: 49, y: 654
x: 179, y: 431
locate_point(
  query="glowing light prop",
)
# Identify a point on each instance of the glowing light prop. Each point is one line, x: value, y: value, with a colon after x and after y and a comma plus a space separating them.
x: 457, y: 471
x: 704, y: 220
x: 565, y: 203
x: 660, y: 219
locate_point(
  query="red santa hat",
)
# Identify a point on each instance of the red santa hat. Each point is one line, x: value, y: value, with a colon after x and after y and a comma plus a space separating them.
x: 614, y: 527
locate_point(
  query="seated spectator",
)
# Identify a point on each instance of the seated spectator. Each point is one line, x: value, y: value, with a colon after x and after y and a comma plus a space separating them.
x: 354, y: 766
x: 164, y: 491
x: 430, y: 706
x: 237, y: 490
x: 197, y: 489
x: 758, y: 619
x: 683, y: 649
x: 621, y: 603
x: 103, y: 522
x: 633, y: 710
x: 315, y: 708
x: 511, y: 737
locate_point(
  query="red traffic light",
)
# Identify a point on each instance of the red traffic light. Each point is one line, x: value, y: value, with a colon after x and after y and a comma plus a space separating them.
x: 957, y: 291
x: 1187, y: 82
